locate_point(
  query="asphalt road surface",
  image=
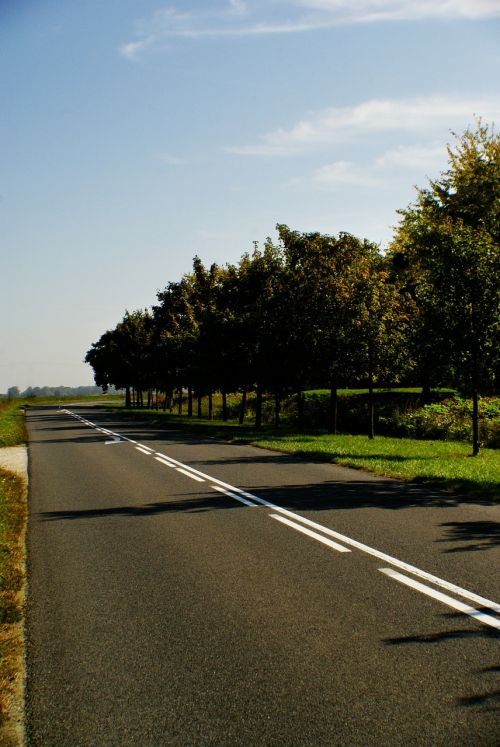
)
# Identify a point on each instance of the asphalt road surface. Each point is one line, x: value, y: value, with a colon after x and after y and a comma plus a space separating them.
x: 188, y: 592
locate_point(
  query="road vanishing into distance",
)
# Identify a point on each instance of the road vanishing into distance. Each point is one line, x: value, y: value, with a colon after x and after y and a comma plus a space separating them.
x: 185, y: 591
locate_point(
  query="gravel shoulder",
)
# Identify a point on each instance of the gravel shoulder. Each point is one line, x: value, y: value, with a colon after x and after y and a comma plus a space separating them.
x: 15, y: 459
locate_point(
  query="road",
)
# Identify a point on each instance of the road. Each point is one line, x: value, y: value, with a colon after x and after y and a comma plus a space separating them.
x: 185, y: 591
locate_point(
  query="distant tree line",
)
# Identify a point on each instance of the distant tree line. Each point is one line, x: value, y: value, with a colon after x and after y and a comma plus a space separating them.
x: 315, y: 310
x: 53, y: 391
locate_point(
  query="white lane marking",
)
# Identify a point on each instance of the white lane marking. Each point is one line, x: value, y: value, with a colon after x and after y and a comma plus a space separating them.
x: 233, y: 495
x: 310, y: 533
x: 163, y: 461
x: 189, y: 474
x: 450, y: 601
x: 144, y: 451
x: 458, y: 590
x: 150, y: 451
x: 494, y: 606
x: 116, y: 440
x: 172, y: 462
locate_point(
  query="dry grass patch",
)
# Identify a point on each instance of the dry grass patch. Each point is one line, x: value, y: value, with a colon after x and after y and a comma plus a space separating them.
x: 13, y: 513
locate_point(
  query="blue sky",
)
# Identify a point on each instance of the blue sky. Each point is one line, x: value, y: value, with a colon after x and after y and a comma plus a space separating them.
x: 136, y: 134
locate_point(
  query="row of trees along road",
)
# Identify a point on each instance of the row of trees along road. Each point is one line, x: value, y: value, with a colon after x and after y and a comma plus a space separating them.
x: 317, y: 310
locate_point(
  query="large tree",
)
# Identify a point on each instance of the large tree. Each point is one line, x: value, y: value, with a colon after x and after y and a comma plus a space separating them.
x: 447, y: 251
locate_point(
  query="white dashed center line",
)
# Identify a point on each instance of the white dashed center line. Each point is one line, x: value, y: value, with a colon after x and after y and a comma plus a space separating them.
x: 248, y: 499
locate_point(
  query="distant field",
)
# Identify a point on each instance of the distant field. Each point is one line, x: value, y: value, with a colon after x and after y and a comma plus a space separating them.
x: 12, y: 427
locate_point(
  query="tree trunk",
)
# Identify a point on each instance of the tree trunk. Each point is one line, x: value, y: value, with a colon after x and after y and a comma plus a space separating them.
x: 128, y: 398
x: 475, y: 422
x: 277, y: 408
x: 243, y: 406
x: 300, y: 409
x: 258, y: 407
x: 426, y: 389
x: 168, y: 399
x: 179, y: 402
x: 210, y: 405
x: 371, y: 406
x: 190, y: 401
x: 332, y: 424
x: 224, y: 405
x: 198, y: 402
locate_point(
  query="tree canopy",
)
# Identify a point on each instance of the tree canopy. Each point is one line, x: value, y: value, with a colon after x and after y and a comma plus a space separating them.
x: 324, y: 311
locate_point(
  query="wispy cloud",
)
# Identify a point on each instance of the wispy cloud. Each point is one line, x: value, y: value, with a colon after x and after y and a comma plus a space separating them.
x: 171, y: 160
x: 238, y: 7
x: 238, y: 18
x: 345, y: 172
x: 412, y: 156
x: 395, y: 164
x: 336, y: 125
x: 366, y: 11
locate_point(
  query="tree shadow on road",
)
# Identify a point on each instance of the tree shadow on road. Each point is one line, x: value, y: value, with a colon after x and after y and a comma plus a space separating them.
x: 479, y: 535
x: 486, y: 696
x: 193, y: 504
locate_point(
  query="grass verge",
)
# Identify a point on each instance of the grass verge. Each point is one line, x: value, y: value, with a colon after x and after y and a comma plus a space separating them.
x: 12, y: 425
x: 446, y: 464
x: 13, y: 512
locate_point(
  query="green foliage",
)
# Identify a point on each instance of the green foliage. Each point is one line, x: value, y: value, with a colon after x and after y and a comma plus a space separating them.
x: 446, y: 253
x: 451, y: 419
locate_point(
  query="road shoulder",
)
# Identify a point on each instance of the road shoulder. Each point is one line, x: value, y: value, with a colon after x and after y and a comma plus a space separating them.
x: 14, y: 461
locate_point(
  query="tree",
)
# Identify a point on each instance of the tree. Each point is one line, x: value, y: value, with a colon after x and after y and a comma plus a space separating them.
x: 447, y: 250
x: 122, y: 356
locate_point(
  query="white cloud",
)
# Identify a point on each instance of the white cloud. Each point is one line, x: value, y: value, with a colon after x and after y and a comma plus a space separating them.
x: 171, y: 160
x: 400, y: 162
x: 336, y: 125
x: 413, y: 157
x: 238, y: 18
x: 344, y: 172
x: 132, y: 50
x: 238, y: 7
x: 366, y: 11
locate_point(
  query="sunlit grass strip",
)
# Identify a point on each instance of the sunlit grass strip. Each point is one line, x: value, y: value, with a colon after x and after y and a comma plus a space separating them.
x: 13, y: 512
x: 444, y: 463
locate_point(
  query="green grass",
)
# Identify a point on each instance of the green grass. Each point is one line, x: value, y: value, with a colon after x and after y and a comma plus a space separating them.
x: 446, y: 464
x: 12, y: 427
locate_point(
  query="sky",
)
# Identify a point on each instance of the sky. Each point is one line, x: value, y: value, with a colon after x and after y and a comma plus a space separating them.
x: 135, y: 135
